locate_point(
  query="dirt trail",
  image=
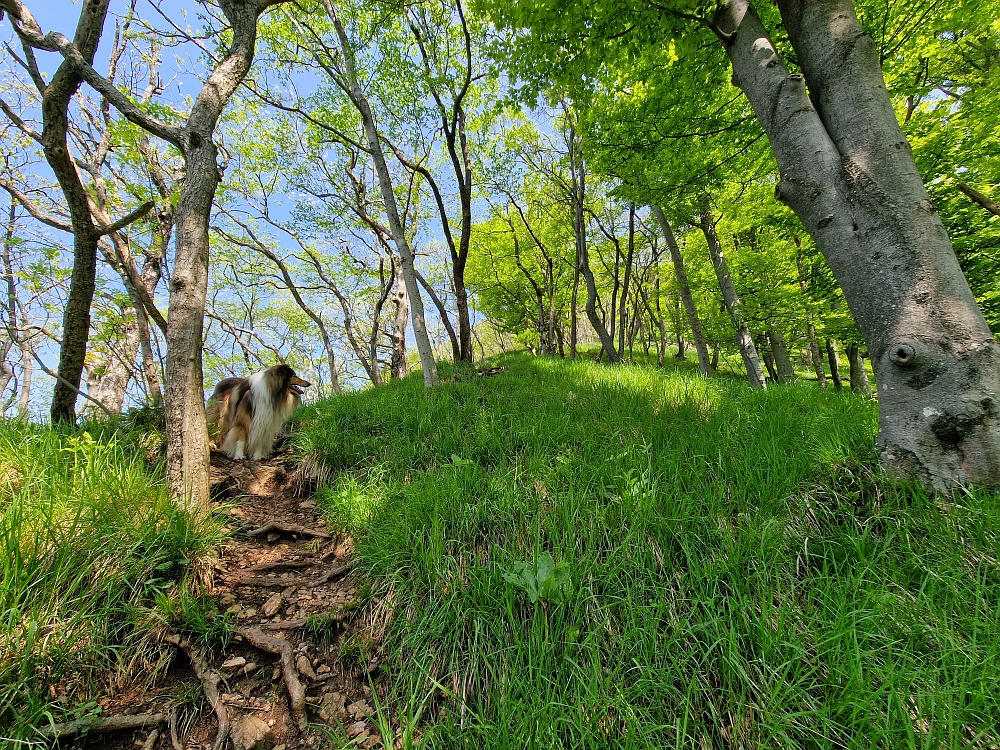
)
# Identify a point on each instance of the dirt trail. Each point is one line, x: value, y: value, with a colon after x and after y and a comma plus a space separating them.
x: 292, y: 676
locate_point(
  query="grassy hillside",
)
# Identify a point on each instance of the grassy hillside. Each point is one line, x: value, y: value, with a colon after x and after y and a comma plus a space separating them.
x: 88, y: 542
x: 572, y: 555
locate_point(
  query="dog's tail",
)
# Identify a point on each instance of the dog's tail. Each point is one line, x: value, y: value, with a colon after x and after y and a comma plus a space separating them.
x: 217, y: 409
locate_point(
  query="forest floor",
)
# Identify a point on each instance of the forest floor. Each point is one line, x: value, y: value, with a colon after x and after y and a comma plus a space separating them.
x: 286, y: 587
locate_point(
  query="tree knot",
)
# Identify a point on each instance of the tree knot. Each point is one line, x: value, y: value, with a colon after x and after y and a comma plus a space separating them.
x: 903, y: 354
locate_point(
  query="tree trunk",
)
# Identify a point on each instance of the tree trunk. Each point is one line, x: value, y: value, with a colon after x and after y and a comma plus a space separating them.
x: 814, y: 353
x: 27, y: 369
x: 687, y: 298
x: 755, y: 375
x: 118, y: 368
x: 623, y: 311
x: 859, y: 377
x: 782, y: 362
x: 360, y: 101
x: 848, y: 173
x: 582, y: 257
x: 398, y: 365
x: 55, y: 123
x: 187, y: 432
x: 767, y: 356
x: 831, y: 355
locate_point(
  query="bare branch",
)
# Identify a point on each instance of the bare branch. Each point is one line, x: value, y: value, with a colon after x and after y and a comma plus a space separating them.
x: 32, y: 209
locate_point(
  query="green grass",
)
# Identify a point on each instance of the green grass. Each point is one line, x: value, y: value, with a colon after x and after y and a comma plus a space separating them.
x: 88, y: 540
x: 729, y: 568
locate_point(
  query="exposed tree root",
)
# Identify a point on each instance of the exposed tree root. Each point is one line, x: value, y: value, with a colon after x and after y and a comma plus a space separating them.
x: 151, y: 740
x: 209, y: 684
x: 172, y: 723
x: 281, y: 647
x: 280, y: 565
x: 332, y: 573
x: 288, y: 528
x: 279, y: 582
x: 101, y: 725
x: 333, y: 615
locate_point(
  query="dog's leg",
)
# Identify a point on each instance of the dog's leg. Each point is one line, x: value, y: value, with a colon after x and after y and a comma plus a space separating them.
x: 235, y: 443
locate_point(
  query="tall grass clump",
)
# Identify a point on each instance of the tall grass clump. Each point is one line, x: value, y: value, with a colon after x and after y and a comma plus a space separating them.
x: 575, y: 555
x: 88, y: 538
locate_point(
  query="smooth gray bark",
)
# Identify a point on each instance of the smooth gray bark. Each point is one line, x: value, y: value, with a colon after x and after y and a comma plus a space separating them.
x: 782, y: 362
x: 353, y: 89
x: 744, y: 341
x: 578, y: 173
x: 700, y: 345
x: 848, y: 173
x: 859, y: 376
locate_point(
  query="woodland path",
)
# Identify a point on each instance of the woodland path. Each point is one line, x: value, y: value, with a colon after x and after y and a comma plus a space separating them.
x: 291, y: 677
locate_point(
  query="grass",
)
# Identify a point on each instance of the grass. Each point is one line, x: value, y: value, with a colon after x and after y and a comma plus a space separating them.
x: 88, y: 542
x: 575, y: 555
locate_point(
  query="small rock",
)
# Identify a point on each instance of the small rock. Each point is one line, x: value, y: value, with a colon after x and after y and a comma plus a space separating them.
x: 305, y: 668
x: 226, y: 599
x: 246, y: 614
x: 235, y: 609
x: 272, y: 605
x: 322, y: 669
x: 247, y: 687
x: 308, y: 504
x: 251, y: 666
x: 356, y: 729
x: 234, y: 662
x: 279, y: 747
x: 359, y: 708
x: 250, y: 732
x: 331, y: 708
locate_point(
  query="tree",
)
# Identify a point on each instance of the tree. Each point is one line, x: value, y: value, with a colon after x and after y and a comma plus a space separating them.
x: 847, y: 172
x: 187, y: 438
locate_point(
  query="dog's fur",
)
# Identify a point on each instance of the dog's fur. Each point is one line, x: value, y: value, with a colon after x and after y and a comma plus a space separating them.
x: 247, y: 414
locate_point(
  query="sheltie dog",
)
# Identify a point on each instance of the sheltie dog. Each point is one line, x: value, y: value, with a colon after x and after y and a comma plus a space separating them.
x: 246, y: 414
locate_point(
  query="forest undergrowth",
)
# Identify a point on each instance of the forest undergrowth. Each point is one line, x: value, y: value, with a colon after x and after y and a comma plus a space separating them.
x: 89, y: 544
x: 550, y: 554
x: 575, y: 555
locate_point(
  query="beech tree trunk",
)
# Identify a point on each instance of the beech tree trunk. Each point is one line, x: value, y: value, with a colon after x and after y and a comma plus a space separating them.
x: 623, y: 311
x: 398, y: 365
x: 832, y: 358
x: 744, y: 341
x: 55, y: 124
x: 360, y: 101
x: 582, y: 256
x: 848, y: 173
x: 700, y: 345
x: 859, y: 376
x: 187, y: 433
x: 111, y: 386
x: 814, y: 353
x: 786, y: 373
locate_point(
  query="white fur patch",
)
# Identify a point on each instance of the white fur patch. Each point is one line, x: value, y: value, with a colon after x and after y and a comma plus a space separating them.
x: 269, y: 414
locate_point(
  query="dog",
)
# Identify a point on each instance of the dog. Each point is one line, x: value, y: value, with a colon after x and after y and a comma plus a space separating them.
x: 246, y: 414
